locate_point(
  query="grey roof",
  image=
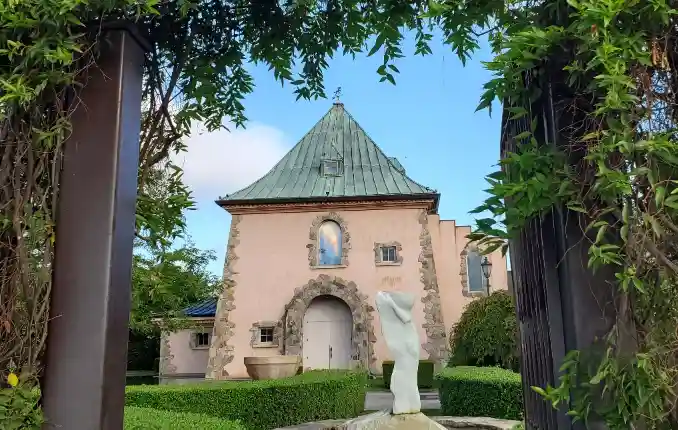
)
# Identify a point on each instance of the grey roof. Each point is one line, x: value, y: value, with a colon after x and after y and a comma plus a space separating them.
x: 367, y: 171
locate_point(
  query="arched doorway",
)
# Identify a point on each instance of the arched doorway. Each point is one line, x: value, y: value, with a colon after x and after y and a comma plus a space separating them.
x: 327, y: 333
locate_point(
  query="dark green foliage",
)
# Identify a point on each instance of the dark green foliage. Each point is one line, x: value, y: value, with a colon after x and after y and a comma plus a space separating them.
x: 143, y: 351
x: 264, y: 405
x: 486, y: 334
x: 424, y: 374
x: 480, y: 392
x: 153, y: 419
x: 165, y: 280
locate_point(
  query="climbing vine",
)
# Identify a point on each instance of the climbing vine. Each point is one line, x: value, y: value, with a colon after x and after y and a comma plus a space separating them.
x: 614, y: 163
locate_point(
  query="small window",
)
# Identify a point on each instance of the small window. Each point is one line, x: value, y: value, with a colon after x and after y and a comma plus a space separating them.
x: 474, y: 272
x: 201, y: 340
x: 331, y: 168
x: 389, y: 254
x: 266, y: 335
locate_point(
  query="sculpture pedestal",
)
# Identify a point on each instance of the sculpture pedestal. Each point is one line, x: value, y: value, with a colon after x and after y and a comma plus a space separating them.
x: 384, y: 420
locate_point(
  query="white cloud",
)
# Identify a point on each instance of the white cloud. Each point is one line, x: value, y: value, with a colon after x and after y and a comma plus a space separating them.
x: 223, y: 161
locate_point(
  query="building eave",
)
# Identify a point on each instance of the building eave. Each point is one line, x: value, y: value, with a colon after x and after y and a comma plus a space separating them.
x: 428, y: 200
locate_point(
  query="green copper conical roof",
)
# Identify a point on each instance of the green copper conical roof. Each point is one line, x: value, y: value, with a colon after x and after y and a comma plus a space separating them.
x: 364, y: 171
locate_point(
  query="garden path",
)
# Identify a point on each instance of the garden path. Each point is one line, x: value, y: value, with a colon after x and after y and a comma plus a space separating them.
x: 380, y: 400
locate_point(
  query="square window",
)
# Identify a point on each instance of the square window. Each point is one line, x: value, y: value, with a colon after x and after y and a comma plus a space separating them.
x: 266, y: 335
x: 331, y: 168
x: 389, y: 254
x: 201, y: 340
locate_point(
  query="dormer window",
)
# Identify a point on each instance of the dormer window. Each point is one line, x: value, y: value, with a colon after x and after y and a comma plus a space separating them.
x: 331, y: 168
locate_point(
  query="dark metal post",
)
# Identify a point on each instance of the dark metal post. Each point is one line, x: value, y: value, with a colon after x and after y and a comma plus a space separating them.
x: 561, y: 304
x: 84, y: 380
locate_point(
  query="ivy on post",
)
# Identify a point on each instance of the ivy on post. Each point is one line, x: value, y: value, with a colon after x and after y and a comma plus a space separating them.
x: 84, y: 380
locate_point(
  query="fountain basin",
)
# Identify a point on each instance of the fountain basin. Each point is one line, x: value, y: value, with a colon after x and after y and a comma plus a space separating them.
x: 272, y: 367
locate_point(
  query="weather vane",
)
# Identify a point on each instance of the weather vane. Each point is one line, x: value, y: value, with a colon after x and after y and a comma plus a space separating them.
x: 337, y: 95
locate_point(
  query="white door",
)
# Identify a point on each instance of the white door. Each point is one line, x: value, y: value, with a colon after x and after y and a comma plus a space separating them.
x: 327, y: 334
x: 340, y: 344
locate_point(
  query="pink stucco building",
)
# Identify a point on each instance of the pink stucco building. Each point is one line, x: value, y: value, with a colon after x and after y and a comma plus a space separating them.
x: 311, y: 243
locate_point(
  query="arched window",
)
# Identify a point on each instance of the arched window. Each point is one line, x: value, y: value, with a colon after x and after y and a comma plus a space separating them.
x: 474, y: 272
x: 329, y: 244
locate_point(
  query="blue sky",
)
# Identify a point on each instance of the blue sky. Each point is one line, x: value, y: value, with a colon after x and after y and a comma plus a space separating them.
x: 427, y: 120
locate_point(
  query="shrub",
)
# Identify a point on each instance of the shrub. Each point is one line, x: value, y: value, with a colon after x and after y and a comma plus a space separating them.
x: 486, y: 334
x: 153, y: 419
x: 480, y: 392
x: 312, y: 396
x: 424, y: 374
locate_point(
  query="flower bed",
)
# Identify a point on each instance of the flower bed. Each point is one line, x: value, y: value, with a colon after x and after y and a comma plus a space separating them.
x: 153, y: 419
x: 480, y: 392
x: 312, y: 396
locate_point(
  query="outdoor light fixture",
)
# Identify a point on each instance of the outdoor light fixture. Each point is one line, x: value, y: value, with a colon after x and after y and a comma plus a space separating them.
x: 486, y: 265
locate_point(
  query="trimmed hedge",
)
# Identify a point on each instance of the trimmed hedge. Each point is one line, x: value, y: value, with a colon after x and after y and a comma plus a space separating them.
x: 424, y: 373
x: 312, y: 396
x: 480, y: 392
x: 153, y: 419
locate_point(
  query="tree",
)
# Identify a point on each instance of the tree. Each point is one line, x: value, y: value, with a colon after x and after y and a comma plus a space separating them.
x: 167, y: 280
x: 486, y: 334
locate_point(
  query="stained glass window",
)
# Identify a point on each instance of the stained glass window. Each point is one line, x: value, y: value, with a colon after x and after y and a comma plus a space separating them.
x: 329, y: 241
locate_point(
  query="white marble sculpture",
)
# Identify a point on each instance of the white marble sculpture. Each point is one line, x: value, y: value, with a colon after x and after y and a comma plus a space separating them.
x: 400, y: 334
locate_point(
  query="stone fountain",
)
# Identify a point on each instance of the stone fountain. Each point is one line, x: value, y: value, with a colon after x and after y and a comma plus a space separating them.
x: 400, y: 335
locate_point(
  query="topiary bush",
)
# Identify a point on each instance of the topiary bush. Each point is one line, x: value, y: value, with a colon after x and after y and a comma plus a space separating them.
x: 486, y: 334
x: 153, y: 419
x: 424, y: 373
x: 312, y: 396
x: 480, y: 392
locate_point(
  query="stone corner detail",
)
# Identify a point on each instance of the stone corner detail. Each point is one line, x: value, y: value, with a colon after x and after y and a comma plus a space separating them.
x: 436, y: 342
x: 166, y: 367
x: 221, y: 353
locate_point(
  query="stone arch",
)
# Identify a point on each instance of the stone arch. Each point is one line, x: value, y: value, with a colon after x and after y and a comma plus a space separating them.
x: 313, y: 238
x: 363, y: 337
x: 463, y: 272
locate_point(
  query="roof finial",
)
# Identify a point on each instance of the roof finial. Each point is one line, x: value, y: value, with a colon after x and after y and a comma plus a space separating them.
x: 337, y: 96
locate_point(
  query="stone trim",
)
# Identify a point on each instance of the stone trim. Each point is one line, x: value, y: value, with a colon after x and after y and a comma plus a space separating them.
x: 166, y: 367
x: 463, y: 273
x: 192, y: 341
x: 363, y: 330
x: 221, y: 353
x: 436, y: 342
x: 255, y: 341
x: 313, y: 240
x: 378, y: 254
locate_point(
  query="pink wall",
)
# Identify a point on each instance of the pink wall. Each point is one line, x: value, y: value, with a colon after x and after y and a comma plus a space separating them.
x: 184, y: 359
x: 273, y: 261
x: 449, y: 240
